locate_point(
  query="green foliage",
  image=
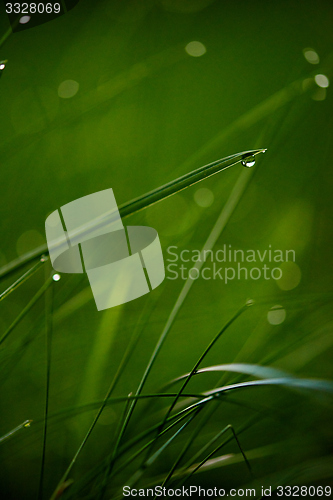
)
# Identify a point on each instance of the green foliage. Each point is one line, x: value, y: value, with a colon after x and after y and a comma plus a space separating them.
x: 200, y: 382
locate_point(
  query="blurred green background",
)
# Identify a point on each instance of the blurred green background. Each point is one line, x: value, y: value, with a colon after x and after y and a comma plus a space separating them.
x: 130, y: 95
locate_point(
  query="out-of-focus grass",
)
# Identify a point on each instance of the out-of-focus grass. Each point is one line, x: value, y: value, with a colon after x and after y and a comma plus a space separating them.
x: 146, y: 113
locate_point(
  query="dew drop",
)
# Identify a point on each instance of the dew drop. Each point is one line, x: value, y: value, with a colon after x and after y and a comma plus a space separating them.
x: 249, y: 161
x: 56, y: 277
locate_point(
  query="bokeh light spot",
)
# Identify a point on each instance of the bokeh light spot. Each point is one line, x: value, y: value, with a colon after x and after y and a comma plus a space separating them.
x: 291, y: 276
x: 204, y: 197
x: 276, y: 315
x: 56, y: 277
x: 311, y: 56
x: 68, y: 89
x: 322, y: 81
x: 195, y: 49
x: 24, y: 19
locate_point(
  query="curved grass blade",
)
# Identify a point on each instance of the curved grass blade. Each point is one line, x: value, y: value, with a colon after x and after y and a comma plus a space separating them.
x: 218, y: 227
x: 244, y: 368
x: 204, y: 398
x: 290, y: 382
x: 203, y: 355
x: 146, y: 200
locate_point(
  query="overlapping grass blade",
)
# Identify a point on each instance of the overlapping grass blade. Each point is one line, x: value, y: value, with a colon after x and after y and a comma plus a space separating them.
x: 243, y: 368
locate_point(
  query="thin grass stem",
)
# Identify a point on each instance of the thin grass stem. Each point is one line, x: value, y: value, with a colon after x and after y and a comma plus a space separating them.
x: 23, y: 278
x: 48, y: 349
x: 11, y: 433
x: 138, y: 474
x: 228, y: 427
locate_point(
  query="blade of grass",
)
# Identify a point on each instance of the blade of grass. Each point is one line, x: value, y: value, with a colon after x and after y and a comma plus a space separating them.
x: 203, y: 355
x: 243, y: 368
x: 129, y: 350
x: 221, y: 222
x: 48, y: 349
x: 23, y: 278
x: 146, y: 200
x: 154, y: 197
x: 208, y: 396
x: 290, y: 382
x: 184, y: 451
x: 9, y: 434
x: 228, y: 427
x: 205, y: 448
x: 101, y: 468
x: 138, y: 474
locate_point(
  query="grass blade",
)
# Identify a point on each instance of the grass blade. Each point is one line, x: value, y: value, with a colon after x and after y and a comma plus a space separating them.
x: 244, y: 368
x: 147, y: 200
x: 9, y: 434
x: 23, y: 278
x: 48, y: 347
x: 228, y: 427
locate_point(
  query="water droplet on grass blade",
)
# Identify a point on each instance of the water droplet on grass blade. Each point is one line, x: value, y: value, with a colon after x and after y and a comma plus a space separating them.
x: 249, y: 161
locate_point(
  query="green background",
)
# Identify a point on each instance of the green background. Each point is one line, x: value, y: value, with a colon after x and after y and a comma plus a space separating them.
x: 145, y: 113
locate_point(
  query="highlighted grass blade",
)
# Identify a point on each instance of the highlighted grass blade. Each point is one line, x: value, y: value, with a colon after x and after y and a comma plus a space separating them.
x: 147, y: 200
x: 244, y: 368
